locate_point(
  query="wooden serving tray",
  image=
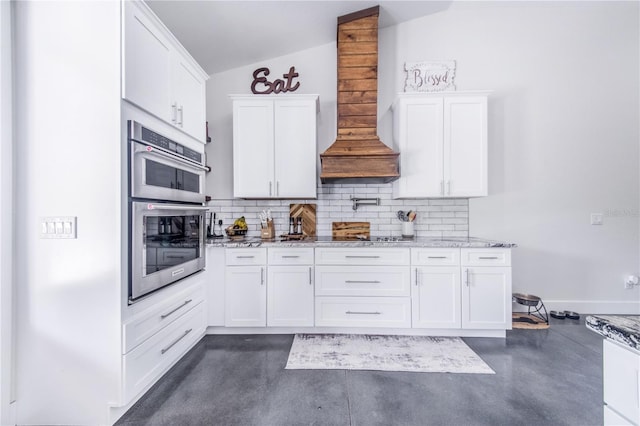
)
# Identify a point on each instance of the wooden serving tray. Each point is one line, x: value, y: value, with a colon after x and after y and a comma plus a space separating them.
x: 350, y: 230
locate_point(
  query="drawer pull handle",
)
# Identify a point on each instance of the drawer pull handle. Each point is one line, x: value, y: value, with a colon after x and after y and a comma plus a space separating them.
x: 436, y: 257
x: 290, y: 257
x: 163, y: 351
x: 362, y: 282
x: 186, y: 302
x: 245, y: 257
x: 362, y: 313
x: 362, y: 257
x: 489, y: 257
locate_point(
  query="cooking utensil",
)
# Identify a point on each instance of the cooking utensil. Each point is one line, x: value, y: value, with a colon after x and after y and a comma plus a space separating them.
x: 402, y: 216
x: 411, y: 215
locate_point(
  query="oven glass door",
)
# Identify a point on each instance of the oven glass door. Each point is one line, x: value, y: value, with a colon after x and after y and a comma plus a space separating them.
x: 168, y: 243
x: 170, y: 240
x: 159, y: 175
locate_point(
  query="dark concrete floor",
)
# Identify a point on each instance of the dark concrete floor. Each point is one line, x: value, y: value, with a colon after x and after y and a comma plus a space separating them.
x: 543, y: 377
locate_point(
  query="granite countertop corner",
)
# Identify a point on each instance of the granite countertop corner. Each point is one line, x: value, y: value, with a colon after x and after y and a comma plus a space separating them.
x: 624, y: 329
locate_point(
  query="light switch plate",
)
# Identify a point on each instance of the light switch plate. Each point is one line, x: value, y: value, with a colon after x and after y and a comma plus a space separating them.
x: 596, y: 218
x: 58, y: 227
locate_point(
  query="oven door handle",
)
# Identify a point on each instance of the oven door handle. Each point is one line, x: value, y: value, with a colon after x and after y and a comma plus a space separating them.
x: 182, y: 207
x: 159, y: 152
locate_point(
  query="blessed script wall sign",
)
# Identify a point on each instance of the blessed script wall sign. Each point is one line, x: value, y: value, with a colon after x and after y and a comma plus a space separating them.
x: 262, y: 86
x: 429, y: 76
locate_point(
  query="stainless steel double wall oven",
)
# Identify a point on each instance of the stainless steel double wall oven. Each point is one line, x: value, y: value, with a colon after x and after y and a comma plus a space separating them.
x: 166, y: 212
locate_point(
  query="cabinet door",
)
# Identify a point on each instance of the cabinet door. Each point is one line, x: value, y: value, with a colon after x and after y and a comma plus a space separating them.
x: 188, y: 94
x: 436, y: 297
x: 486, y: 297
x: 253, y: 149
x: 621, y: 380
x: 290, y: 296
x: 295, y: 149
x: 147, y: 62
x: 245, y: 296
x: 419, y: 137
x: 465, y: 146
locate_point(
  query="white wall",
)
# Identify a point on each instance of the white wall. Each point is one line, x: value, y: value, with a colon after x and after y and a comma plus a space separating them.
x: 6, y: 215
x: 563, y: 132
x: 564, y: 138
x: 67, y: 164
x: 317, y: 76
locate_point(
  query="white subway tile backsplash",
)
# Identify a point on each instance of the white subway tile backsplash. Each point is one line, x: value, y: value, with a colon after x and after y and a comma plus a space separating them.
x: 436, y: 218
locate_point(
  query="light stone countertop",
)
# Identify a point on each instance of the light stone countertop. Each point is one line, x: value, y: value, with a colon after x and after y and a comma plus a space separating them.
x: 623, y: 329
x: 327, y: 241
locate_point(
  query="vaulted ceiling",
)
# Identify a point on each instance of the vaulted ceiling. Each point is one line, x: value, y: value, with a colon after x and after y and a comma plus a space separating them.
x: 223, y: 35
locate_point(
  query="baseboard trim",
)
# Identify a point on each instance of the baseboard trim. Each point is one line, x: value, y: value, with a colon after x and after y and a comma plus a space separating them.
x: 612, y: 307
x: 453, y: 332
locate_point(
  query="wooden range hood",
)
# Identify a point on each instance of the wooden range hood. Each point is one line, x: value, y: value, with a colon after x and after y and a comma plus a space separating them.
x: 358, y: 155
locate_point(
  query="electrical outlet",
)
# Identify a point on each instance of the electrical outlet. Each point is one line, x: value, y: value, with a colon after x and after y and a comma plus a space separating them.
x: 596, y: 218
x: 631, y: 281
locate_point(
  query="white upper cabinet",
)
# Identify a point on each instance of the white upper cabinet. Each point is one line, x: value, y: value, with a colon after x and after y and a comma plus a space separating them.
x: 159, y: 75
x: 188, y: 98
x: 442, y: 140
x: 147, y: 63
x: 274, y: 146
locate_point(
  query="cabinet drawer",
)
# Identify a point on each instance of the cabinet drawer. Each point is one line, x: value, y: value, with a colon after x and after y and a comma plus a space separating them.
x: 149, y: 322
x: 144, y: 365
x: 435, y: 256
x: 290, y: 256
x: 485, y: 257
x: 621, y: 380
x: 363, y: 281
x: 362, y: 256
x: 363, y: 312
x: 246, y: 256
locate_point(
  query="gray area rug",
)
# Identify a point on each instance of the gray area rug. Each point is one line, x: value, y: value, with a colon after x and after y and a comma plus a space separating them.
x: 385, y: 353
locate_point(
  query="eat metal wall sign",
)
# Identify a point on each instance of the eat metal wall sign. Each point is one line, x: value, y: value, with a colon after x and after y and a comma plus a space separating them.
x: 262, y: 86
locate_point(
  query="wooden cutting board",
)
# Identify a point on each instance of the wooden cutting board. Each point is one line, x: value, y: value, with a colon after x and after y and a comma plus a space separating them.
x: 308, y: 214
x: 350, y: 230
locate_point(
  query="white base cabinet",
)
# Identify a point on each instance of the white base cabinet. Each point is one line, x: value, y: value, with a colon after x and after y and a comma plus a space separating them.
x: 144, y: 365
x: 621, y: 384
x: 436, y: 297
x: 245, y: 290
x: 277, y: 295
x: 486, y: 288
x: 363, y: 312
x: 461, y: 288
x: 611, y: 418
x: 290, y: 296
x: 432, y: 290
x: 245, y: 297
x: 486, y: 297
x: 157, y: 336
